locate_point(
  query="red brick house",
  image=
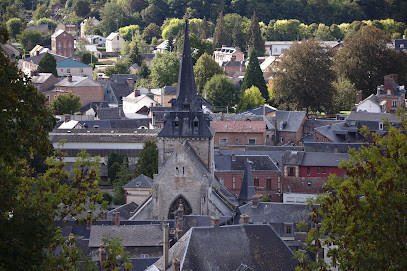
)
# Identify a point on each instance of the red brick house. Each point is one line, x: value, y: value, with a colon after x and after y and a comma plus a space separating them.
x: 62, y: 43
x: 229, y: 169
x: 307, y: 172
x: 239, y: 132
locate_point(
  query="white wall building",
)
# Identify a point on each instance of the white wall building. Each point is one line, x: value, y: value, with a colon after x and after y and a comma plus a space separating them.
x: 114, y: 43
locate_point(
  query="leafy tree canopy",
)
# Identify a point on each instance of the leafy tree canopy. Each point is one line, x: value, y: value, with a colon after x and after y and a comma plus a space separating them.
x: 48, y: 64
x: 81, y: 8
x: 66, y: 104
x: 127, y: 32
x: 254, y: 76
x: 255, y: 38
x: 304, y: 76
x: 251, y: 98
x: 14, y: 27
x: 164, y: 69
x: 204, y: 69
x: 345, y: 94
x: 221, y: 91
x: 148, y: 159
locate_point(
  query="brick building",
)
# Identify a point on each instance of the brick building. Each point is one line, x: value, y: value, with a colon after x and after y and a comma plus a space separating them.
x: 62, y: 43
x: 239, y: 133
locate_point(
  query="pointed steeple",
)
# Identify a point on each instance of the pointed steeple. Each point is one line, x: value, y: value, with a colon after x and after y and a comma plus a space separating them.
x: 187, y: 97
x: 247, y: 191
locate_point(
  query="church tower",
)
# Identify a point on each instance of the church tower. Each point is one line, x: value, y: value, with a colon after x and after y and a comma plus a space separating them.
x: 186, y: 120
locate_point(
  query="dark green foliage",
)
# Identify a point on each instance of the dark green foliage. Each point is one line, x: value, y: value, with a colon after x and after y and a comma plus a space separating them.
x: 237, y: 35
x: 204, y: 31
x: 170, y: 44
x: 117, y: 257
x: 30, y: 38
x: 107, y: 197
x: 151, y: 31
x: 134, y: 55
x: 123, y: 176
x: 152, y: 14
x: 221, y: 36
x: 66, y: 104
x: 221, y: 91
x: 199, y: 47
x: 366, y: 59
x: 144, y: 71
x: 362, y: 213
x: 304, y: 77
x: 255, y: 39
x: 113, y: 164
x: 254, y: 76
x: 148, y: 159
x: 48, y: 64
x: 81, y: 8
x: 112, y: 172
x: 14, y: 27
x: 87, y: 57
x: 121, y: 67
x: 41, y: 12
x: 204, y: 69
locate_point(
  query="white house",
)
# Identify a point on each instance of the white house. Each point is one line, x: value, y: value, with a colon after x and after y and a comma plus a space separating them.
x: 93, y: 50
x: 96, y: 39
x: 92, y: 21
x: 114, y: 42
x: 276, y: 48
x: 371, y: 104
x: 137, y: 104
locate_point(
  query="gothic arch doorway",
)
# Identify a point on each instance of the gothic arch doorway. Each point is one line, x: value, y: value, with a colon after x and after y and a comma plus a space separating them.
x: 175, y: 204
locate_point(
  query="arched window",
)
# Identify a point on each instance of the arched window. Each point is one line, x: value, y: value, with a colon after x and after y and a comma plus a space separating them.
x: 174, y: 207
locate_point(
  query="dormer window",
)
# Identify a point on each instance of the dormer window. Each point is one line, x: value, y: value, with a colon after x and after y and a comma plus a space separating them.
x: 176, y: 122
x: 196, y: 122
x: 186, y: 106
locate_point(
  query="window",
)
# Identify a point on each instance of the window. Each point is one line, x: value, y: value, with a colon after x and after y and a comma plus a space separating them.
x: 318, y: 170
x: 281, y: 140
x: 394, y: 103
x: 252, y: 141
x: 279, y: 184
x: 288, y: 228
x: 68, y: 70
x: 401, y: 45
x: 59, y: 45
x: 48, y: 98
x: 323, y: 170
x: 291, y: 171
x: 268, y: 183
x: 256, y: 182
x: 381, y: 126
x: 117, y: 37
x: 308, y: 171
x: 233, y: 183
x: 223, y: 140
x: 145, y: 256
x: 237, y: 140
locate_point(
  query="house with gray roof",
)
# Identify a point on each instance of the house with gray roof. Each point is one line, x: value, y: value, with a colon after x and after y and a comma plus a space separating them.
x: 118, y: 87
x: 232, y: 247
x: 289, y: 126
x: 138, y: 190
x: 44, y: 81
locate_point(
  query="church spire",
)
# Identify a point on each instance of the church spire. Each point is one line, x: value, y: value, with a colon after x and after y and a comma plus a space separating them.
x: 187, y: 97
x: 247, y: 191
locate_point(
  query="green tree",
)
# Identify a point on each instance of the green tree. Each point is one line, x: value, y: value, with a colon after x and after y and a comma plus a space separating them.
x: 172, y: 28
x: 237, y: 35
x: 123, y: 177
x: 41, y: 12
x: 14, y: 27
x: 323, y: 33
x: 255, y: 38
x: 221, y: 35
x: 147, y: 163
x: 251, y: 98
x: 112, y: 171
x: 152, y: 14
x: 113, y: 17
x: 304, y: 76
x: 48, y: 64
x: 30, y: 38
x: 87, y: 57
x: 221, y: 91
x: 134, y: 54
x: 52, y: 25
x: 117, y: 258
x: 345, y: 94
x: 366, y: 59
x: 144, y: 71
x: 164, y: 69
x: 204, y: 69
x: 362, y: 213
x: 151, y: 31
x: 127, y: 32
x: 254, y: 76
x: 66, y: 104
x: 121, y: 67
x: 81, y: 8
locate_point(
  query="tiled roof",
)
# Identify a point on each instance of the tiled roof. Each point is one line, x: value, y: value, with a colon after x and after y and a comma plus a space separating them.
x: 289, y: 121
x: 110, y: 113
x: 41, y: 78
x: 125, y: 210
x: 322, y: 159
x: 78, y: 81
x: 366, y: 116
x: 131, y: 235
x: 239, y: 126
x: 142, y: 181
x: 70, y: 63
x: 36, y: 59
x: 259, y: 110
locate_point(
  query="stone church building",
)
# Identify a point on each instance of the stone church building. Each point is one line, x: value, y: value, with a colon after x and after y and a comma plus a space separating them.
x: 186, y: 157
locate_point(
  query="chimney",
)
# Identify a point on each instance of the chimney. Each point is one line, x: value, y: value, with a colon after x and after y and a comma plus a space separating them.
x: 176, y: 264
x: 264, y: 109
x: 214, y: 221
x: 256, y: 200
x: 388, y: 82
x: 116, y: 218
x: 244, y: 219
x: 149, y: 90
x: 359, y: 97
x: 136, y: 92
x: 166, y: 244
x: 69, y: 77
x: 89, y: 219
x: 130, y: 82
x: 233, y: 157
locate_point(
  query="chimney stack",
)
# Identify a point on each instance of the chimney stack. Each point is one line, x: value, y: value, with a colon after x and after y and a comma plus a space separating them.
x: 176, y: 264
x: 214, y: 221
x: 69, y: 77
x: 130, y: 82
x: 136, y: 92
x: 166, y: 244
x: 244, y: 219
x: 359, y: 97
x: 116, y: 218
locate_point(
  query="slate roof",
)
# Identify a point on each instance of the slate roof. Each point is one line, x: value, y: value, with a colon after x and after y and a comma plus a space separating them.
x: 377, y: 117
x: 247, y: 191
x: 119, y: 88
x: 235, y: 117
x: 373, y: 98
x: 77, y: 81
x: 94, y: 105
x: 70, y: 63
x: 259, y: 110
x: 112, y: 36
x: 126, y: 211
x: 36, y: 59
x: 141, y: 264
x: 110, y: 113
x: 170, y: 90
x: 330, y: 147
x: 289, y: 121
x: 123, y: 77
x: 131, y: 235
x: 228, y: 247
x: 57, y: 33
x: 339, y: 132
x: 142, y: 181
x: 41, y: 27
x: 239, y: 126
x: 314, y: 158
x: 41, y: 78
x: 223, y: 159
x: 275, y: 212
